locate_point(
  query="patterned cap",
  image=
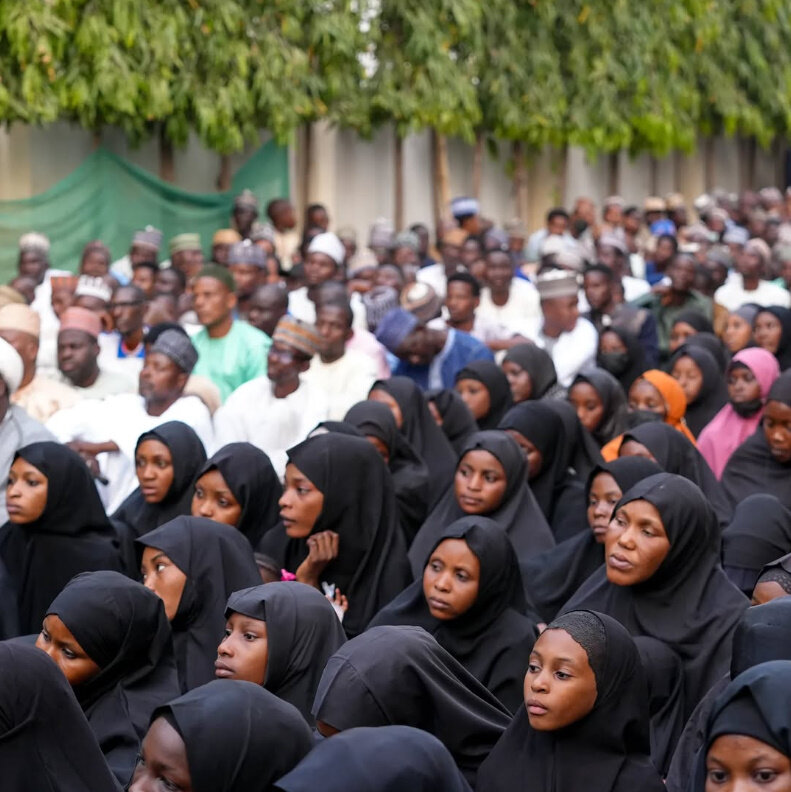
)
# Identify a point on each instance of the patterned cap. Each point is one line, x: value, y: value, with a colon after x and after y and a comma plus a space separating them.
x: 394, y: 328
x: 33, y: 241
x: 184, y: 242
x: 149, y: 237
x: 297, y: 334
x: 226, y: 236
x: 557, y: 283
x: 246, y: 200
x: 464, y: 206
x: 246, y: 252
x: 76, y: 318
x: 261, y: 231
x: 88, y: 286
x: 178, y: 348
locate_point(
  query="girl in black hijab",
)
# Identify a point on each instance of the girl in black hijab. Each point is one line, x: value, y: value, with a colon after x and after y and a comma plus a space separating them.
x: 484, y: 389
x: 379, y: 759
x: 57, y: 528
x: 755, y: 705
x: 229, y: 736
x: 703, y: 383
x: 770, y: 336
x: 600, y: 403
x: 193, y: 565
x: 490, y: 481
x: 410, y: 475
x: 340, y: 525
x: 621, y: 353
x: 415, y: 422
x: 686, y: 325
x: 662, y: 578
x: 554, y: 576
x: 171, y: 452
x: 402, y: 676
x: 243, y: 472
x: 583, y: 452
x: 45, y: 741
x: 531, y: 373
x: 280, y: 635
x: 585, y: 730
x: 774, y: 582
x: 470, y: 599
x: 452, y: 415
x: 120, y: 627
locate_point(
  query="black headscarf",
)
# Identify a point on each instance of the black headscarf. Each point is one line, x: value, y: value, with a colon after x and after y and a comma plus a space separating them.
x: 493, y: 638
x: 694, y: 319
x: 253, y: 482
x: 72, y: 535
x: 634, y: 362
x: 554, y: 576
x: 605, y: 751
x: 411, y: 478
x: 392, y: 758
x: 420, y: 428
x: 401, y: 676
x: 217, y: 560
x: 584, y: 453
x: 713, y: 395
x: 360, y: 506
x: 613, y: 399
x: 778, y: 571
x: 537, y: 363
x: 518, y: 514
x: 783, y: 351
x: 712, y: 344
x: 239, y: 737
x: 302, y: 631
x: 688, y: 603
x: 122, y: 627
x: 457, y: 421
x: 491, y: 376
x: 45, y: 740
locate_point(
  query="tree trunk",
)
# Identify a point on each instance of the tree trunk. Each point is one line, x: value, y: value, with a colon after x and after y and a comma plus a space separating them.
x: 398, y: 181
x: 224, y: 175
x: 96, y: 139
x: 441, y: 178
x: 710, y: 164
x: 562, y: 170
x: 615, y: 172
x: 477, y: 166
x: 167, y: 164
x: 307, y: 167
x: 520, y: 182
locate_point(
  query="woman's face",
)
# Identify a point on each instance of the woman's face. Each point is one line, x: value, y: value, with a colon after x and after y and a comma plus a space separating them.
x: 58, y: 642
x: 164, y: 578
x: 737, y: 763
x: 379, y: 395
x: 480, y: 482
x: 743, y: 387
x: 26, y: 492
x: 300, y: 504
x: 644, y: 396
x: 380, y: 446
x: 766, y: 591
x: 777, y: 430
x: 560, y: 686
x: 635, y: 544
x: 738, y: 333
x: 535, y: 459
x: 586, y: 401
x: 679, y: 335
x: 214, y: 500
x: 604, y: 494
x: 476, y: 396
x: 767, y: 331
x: 451, y: 579
x: 633, y: 448
x: 163, y: 761
x: 154, y: 468
x: 244, y: 651
x: 689, y: 377
x: 519, y: 380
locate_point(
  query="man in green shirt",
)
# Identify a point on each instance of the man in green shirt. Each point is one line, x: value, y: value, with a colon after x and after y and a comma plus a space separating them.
x: 230, y: 352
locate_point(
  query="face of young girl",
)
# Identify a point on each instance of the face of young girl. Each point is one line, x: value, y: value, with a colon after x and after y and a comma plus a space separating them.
x: 451, y: 579
x: 244, y: 651
x: 214, y: 500
x: 480, y: 482
x: 737, y: 763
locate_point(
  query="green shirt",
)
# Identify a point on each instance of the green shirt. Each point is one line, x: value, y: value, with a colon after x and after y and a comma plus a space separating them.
x: 665, y: 315
x: 234, y: 359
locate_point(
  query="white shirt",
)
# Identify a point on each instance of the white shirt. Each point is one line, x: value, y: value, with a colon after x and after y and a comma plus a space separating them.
x: 733, y: 295
x: 434, y: 276
x: 342, y: 383
x: 523, y: 305
x: 302, y: 307
x: 572, y: 352
x: 484, y: 329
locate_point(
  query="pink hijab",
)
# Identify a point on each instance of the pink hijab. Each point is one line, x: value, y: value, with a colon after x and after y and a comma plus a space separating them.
x: 727, y: 430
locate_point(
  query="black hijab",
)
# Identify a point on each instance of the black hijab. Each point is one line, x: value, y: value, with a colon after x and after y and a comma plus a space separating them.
x: 122, y: 627
x: 688, y: 603
x: 457, y: 421
x: 377, y: 759
x: 712, y: 344
x: 491, y: 376
x: 401, y: 676
x: 538, y: 364
x: 605, y: 751
x: 518, y: 513
x: 239, y: 737
x: 45, y: 740
x: 217, y: 560
x: 493, y: 638
x: 552, y: 577
x: 694, y: 319
x: 778, y: 571
x: 252, y: 480
x: 360, y: 506
x: 628, y: 368
x: 302, y: 631
x: 411, y: 478
x: 783, y: 351
x: 713, y: 395
x: 583, y: 452
x: 72, y: 535
x: 613, y: 399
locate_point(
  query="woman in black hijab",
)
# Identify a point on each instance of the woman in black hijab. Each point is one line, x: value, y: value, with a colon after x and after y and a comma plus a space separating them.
x: 122, y: 629
x: 712, y: 344
x: 703, y: 383
x: 229, y: 736
x: 583, y: 452
x: 402, y: 676
x: 686, y: 325
x: 662, y: 578
x: 57, y: 528
x: 600, y: 403
x: 762, y: 463
x: 772, y: 331
x: 45, y: 740
x: 171, y: 452
x: 484, y: 389
x: 415, y: 422
x: 410, y: 475
x: 452, y: 415
x: 340, y: 525
x: 490, y: 481
x: 587, y: 730
x: 622, y: 354
x: 193, y: 565
x: 755, y: 705
x: 554, y: 576
x: 531, y: 373
x: 378, y: 759
x: 280, y: 635
x: 774, y: 582
x: 470, y: 599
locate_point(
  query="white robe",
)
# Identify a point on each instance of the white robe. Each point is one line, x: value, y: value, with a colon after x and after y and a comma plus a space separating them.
x: 343, y: 382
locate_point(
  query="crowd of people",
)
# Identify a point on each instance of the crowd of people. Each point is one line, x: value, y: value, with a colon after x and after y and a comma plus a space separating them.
x: 487, y: 511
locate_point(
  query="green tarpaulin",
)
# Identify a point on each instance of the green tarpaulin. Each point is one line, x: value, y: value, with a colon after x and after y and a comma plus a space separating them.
x: 109, y: 198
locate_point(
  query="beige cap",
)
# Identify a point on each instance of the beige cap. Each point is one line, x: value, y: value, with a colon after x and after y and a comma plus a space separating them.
x: 20, y: 317
x: 675, y: 201
x: 654, y: 204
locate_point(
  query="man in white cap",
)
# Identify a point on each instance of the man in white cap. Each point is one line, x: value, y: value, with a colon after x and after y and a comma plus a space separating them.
x: 144, y: 247
x: 466, y: 212
x: 557, y: 226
